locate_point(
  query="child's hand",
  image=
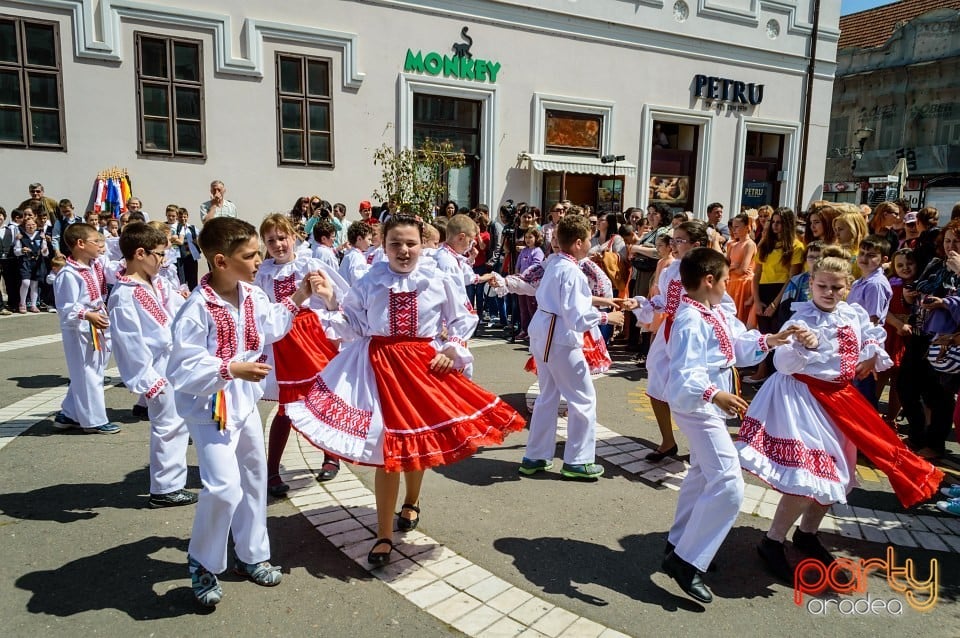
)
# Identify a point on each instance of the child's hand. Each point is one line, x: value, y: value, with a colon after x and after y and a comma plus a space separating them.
x: 866, y: 368
x: 249, y: 370
x: 615, y: 318
x: 626, y: 304
x: 781, y: 338
x: 304, y: 290
x: 97, y: 320
x: 730, y: 403
x: 806, y: 337
x: 910, y: 295
x: 931, y: 303
x: 442, y: 363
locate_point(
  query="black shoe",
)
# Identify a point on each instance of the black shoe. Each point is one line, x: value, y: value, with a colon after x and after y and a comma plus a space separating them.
x: 656, y: 457
x: 381, y: 558
x: 687, y: 577
x: 173, y: 499
x: 140, y: 412
x: 407, y: 524
x: 774, y: 555
x: 329, y: 469
x: 279, y: 490
x: 809, y: 545
x: 712, y: 567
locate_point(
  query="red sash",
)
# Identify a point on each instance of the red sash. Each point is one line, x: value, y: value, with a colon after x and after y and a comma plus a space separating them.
x: 913, y: 479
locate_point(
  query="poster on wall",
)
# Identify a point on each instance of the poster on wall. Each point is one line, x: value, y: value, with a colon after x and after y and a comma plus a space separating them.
x: 756, y: 194
x: 669, y: 189
x: 609, y: 196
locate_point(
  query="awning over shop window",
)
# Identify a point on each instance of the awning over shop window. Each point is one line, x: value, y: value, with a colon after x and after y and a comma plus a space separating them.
x: 579, y: 164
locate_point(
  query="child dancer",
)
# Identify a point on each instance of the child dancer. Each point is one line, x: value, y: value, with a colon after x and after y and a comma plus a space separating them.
x: 322, y: 249
x: 80, y: 291
x: 216, y: 371
x: 706, y: 342
x: 801, y: 433
x: 687, y: 236
x: 357, y: 411
x: 564, y: 314
x: 354, y: 263
x: 304, y: 351
x: 142, y: 306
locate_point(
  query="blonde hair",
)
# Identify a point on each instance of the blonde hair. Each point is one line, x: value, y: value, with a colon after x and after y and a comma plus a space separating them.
x: 855, y: 223
x: 277, y: 221
x: 430, y: 233
x: 834, y: 266
x: 161, y: 226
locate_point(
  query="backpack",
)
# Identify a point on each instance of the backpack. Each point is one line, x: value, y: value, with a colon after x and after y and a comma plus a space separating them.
x: 615, y: 267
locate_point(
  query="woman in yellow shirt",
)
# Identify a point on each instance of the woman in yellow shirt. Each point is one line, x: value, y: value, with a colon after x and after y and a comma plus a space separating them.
x: 779, y: 257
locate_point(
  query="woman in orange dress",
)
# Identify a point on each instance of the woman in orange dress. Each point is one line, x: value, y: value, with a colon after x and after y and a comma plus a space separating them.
x: 741, y: 249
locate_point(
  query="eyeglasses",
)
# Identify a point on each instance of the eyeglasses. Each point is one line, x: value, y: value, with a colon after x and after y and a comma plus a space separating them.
x: 557, y: 210
x: 593, y: 222
x: 157, y: 253
x: 98, y: 242
x: 675, y: 241
x: 314, y: 203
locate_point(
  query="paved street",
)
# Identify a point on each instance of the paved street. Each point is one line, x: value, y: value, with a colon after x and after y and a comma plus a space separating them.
x: 494, y: 556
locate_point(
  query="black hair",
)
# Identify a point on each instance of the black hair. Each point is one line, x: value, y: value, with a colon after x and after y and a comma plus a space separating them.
x: 140, y: 235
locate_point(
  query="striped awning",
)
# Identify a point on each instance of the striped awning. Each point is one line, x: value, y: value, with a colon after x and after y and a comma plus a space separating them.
x: 578, y: 164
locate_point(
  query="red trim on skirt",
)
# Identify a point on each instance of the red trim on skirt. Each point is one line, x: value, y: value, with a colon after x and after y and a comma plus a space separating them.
x: 913, y: 479
x: 300, y: 356
x: 432, y: 419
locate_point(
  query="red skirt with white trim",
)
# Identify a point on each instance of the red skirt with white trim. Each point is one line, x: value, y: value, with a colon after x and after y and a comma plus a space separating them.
x: 300, y: 356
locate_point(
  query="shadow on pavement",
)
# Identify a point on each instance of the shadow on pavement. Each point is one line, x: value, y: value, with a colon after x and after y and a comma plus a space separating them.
x: 39, y: 381
x: 562, y: 565
x: 480, y: 471
x: 70, y: 502
x: 98, y: 582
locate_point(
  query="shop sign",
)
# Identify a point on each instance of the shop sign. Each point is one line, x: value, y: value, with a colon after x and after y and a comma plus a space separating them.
x: 756, y: 194
x: 724, y: 92
x: 839, y: 187
x: 461, y: 65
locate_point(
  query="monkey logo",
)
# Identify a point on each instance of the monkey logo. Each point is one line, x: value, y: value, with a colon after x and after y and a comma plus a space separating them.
x: 462, y: 49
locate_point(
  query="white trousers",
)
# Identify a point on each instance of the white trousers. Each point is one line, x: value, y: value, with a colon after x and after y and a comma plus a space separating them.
x: 169, y: 438
x: 84, y: 401
x: 567, y: 375
x: 233, y: 468
x: 711, y: 493
x: 658, y: 366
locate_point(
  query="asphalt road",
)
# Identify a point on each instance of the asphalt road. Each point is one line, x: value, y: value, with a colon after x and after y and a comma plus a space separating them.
x: 83, y: 555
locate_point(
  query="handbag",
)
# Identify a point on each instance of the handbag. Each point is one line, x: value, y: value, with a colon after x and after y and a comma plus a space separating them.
x: 615, y: 267
x: 945, y: 359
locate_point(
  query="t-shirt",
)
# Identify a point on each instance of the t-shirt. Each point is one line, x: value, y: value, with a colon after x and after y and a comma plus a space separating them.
x: 481, y: 259
x: 774, y: 272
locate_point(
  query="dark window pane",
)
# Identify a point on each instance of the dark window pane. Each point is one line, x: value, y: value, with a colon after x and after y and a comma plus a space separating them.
x: 291, y: 114
x: 41, y: 48
x: 188, y: 137
x: 188, y: 103
x: 186, y: 62
x: 8, y: 41
x: 11, y: 126
x: 446, y: 111
x: 292, y: 146
x: 290, y: 75
x: 45, y: 127
x: 465, y: 142
x: 10, y: 88
x: 153, y: 57
x: 318, y: 78
x: 319, y: 147
x: 43, y: 90
x: 156, y: 135
x: 319, y: 117
x: 155, y: 100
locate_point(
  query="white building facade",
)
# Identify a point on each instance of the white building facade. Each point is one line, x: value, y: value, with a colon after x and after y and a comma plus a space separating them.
x: 703, y: 99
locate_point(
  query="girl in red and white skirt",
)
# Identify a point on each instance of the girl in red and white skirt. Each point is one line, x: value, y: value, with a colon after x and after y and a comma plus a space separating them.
x: 299, y: 356
x: 802, y: 432
x: 394, y: 397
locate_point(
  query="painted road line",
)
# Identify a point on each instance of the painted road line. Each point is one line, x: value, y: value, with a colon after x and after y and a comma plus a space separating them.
x: 30, y: 342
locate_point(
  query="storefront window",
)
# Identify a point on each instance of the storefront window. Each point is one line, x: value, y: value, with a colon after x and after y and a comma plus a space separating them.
x: 441, y: 118
x: 673, y: 164
x: 762, y: 162
x: 573, y: 133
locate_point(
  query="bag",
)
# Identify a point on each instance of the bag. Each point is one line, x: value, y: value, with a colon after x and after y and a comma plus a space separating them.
x: 616, y: 268
x: 944, y: 359
x: 644, y: 264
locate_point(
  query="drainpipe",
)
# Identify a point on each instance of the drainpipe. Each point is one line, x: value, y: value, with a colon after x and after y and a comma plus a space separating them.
x: 808, y: 99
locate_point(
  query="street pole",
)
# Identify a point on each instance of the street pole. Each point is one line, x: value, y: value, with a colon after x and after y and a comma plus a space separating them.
x: 805, y: 134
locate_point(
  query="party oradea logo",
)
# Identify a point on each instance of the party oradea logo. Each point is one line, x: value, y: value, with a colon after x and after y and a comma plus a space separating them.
x: 812, y: 577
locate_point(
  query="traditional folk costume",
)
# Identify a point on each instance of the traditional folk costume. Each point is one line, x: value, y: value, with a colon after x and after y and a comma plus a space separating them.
x: 802, y: 431
x: 453, y: 263
x: 377, y: 403
x: 320, y: 252
x: 594, y: 348
x: 80, y: 289
x: 307, y: 348
x: 353, y: 266
x: 140, y: 320
x: 564, y: 314
x: 705, y: 345
x: 665, y: 301
x: 222, y: 416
